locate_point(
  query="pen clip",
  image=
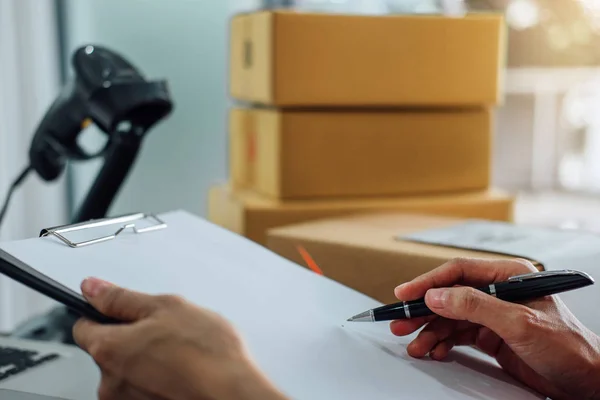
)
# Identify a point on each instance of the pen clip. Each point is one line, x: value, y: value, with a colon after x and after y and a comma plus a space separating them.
x: 542, y: 274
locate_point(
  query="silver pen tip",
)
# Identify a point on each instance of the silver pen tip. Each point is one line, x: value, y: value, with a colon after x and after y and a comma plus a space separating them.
x: 366, y: 316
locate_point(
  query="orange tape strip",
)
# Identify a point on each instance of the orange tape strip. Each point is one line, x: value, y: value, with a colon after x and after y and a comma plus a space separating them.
x: 309, y: 260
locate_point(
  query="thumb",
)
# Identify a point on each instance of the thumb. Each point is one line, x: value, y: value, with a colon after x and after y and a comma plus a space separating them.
x: 116, y: 302
x: 469, y: 304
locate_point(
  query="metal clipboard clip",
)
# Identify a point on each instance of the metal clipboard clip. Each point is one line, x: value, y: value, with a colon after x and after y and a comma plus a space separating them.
x: 126, y: 221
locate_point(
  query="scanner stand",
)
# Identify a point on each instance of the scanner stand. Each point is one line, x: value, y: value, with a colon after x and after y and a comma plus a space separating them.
x: 57, y: 325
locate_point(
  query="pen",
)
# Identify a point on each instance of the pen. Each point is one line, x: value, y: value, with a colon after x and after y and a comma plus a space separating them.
x: 516, y: 288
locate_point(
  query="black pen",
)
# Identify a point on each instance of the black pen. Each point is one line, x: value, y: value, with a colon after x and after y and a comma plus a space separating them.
x: 515, y: 289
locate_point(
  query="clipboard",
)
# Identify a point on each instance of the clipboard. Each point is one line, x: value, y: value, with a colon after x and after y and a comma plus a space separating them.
x: 292, y: 320
x: 60, y: 293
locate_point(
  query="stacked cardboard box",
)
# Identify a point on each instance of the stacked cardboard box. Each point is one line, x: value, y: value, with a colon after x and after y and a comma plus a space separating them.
x: 355, y: 113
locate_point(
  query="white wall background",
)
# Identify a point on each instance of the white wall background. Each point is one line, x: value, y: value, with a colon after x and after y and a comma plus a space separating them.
x: 186, y: 42
x: 29, y: 83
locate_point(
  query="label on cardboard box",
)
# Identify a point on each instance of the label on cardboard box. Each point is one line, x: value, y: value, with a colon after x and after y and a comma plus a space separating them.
x: 553, y: 248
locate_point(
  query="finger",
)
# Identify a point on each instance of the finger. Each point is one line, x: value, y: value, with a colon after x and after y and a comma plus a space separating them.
x: 116, y: 302
x: 510, y: 321
x: 110, y: 388
x: 442, y: 349
x: 483, y: 338
x: 114, y: 388
x: 467, y: 272
x: 431, y: 335
x: 132, y: 393
x: 465, y: 337
x: 488, y: 342
x: 435, y: 333
x: 108, y: 345
x: 86, y: 333
x: 407, y: 326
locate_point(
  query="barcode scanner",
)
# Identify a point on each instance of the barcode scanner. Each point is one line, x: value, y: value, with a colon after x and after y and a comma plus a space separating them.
x: 106, y: 90
x: 110, y: 92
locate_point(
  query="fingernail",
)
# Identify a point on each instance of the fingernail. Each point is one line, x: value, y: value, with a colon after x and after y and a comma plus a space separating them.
x: 437, y: 297
x: 399, y: 289
x: 92, y: 287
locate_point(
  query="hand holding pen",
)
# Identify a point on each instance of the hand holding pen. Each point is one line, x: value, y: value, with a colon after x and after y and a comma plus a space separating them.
x: 539, y: 342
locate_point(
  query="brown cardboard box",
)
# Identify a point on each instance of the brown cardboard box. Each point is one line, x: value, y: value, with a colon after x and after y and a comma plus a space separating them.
x: 252, y: 215
x: 288, y: 59
x: 242, y: 144
x: 363, y: 251
x: 314, y: 154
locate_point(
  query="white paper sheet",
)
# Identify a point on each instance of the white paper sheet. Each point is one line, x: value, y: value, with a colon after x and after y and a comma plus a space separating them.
x: 293, y: 320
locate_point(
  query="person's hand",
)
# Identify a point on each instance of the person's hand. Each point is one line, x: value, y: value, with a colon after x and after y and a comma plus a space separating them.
x: 540, y: 342
x: 167, y: 349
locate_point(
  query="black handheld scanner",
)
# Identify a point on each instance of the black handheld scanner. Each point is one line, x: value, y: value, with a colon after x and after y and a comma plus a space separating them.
x: 106, y: 90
